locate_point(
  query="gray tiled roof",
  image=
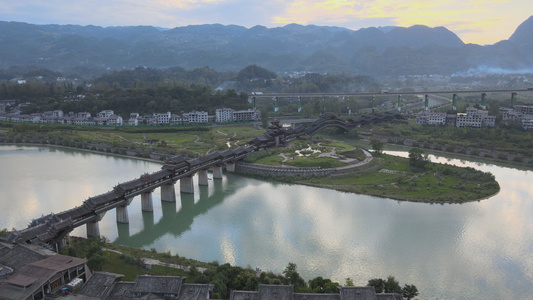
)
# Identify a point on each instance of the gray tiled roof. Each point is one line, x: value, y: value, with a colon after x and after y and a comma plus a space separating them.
x: 158, y: 284
x: 99, y: 285
x: 121, y: 291
x: 195, y: 292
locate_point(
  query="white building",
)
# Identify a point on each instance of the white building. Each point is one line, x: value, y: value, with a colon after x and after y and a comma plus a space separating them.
x: 197, y: 117
x: 133, y: 120
x: 177, y: 120
x: 474, y: 118
x: 246, y: 115
x: 224, y: 115
x: 162, y: 118
x: 105, y: 114
x: 114, y: 120
x: 431, y: 118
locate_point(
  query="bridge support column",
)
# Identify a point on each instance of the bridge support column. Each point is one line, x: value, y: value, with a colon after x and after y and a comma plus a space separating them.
x: 187, y: 185
x: 202, y: 177
x: 168, y: 194
x: 93, y: 229
x: 230, y: 166
x: 217, y: 172
x: 426, y: 102
x: 146, y: 201
x: 399, y: 103
x: 122, y: 214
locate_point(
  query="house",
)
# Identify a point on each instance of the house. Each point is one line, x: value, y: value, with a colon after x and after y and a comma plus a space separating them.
x: 431, y: 118
x: 114, y: 120
x: 196, y: 117
x: 107, y: 286
x: 35, y: 272
x: 134, y: 119
x: 224, y: 115
x: 286, y: 292
x: 162, y: 118
x: 105, y: 114
x: 246, y: 115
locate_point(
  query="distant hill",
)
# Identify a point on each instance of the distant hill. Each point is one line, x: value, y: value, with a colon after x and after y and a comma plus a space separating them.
x: 371, y: 51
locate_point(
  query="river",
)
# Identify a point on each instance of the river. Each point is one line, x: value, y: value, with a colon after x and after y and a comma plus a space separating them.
x: 475, y: 250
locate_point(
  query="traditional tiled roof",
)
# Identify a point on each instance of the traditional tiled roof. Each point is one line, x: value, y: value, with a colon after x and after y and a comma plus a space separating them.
x: 158, y: 284
x: 121, y: 291
x: 195, y: 292
x: 100, y: 284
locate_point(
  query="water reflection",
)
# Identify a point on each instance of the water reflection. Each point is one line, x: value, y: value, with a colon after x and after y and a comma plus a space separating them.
x: 469, y: 251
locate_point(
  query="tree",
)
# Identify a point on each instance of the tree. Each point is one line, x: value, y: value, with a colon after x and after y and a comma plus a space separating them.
x: 377, y: 146
x: 409, y: 291
x: 378, y: 284
x: 417, y: 157
x: 349, y: 282
x: 293, y: 277
x: 392, y: 285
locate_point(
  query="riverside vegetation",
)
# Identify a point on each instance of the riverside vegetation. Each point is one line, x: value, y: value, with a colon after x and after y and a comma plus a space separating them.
x: 131, y: 261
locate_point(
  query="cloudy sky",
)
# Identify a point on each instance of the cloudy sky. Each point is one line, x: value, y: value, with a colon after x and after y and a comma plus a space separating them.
x: 474, y: 21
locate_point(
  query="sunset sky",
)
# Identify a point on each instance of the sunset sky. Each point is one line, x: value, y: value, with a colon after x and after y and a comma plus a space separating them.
x: 474, y: 21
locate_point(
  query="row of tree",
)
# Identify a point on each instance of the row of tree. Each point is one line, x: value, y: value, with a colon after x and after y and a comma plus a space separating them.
x: 226, y: 278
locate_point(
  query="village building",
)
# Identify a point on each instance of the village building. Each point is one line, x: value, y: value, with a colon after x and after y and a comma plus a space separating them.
x: 286, y: 292
x: 31, y: 272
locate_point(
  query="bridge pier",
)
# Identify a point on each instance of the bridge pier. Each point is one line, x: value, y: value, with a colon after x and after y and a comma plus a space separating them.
x: 187, y: 185
x: 230, y: 166
x: 122, y: 214
x: 168, y: 194
x: 202, y: 177
x: 217, y: 172
x: 146, y: 201
x: 93, y: 229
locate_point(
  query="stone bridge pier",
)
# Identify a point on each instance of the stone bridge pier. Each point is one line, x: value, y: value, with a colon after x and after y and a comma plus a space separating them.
x: 202, y: 178
x: 217, y: 172
x: 93, y: 228
x: 146, y: 201
x: 187, y: 185
x: 168, y: 194
x: 122, y: 212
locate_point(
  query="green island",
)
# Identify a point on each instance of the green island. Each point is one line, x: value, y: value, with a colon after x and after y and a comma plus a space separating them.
x: 383, y: 176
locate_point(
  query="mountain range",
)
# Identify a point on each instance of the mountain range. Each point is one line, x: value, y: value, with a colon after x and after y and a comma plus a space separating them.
x: 387, y: 51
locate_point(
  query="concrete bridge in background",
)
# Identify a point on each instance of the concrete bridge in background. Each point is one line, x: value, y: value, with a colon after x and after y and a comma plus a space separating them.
x: 53, y: 228
x: 483, y: 93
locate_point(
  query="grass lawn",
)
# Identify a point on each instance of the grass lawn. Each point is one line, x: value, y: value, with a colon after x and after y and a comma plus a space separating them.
x: 115, y: 264
x: 395, y: 179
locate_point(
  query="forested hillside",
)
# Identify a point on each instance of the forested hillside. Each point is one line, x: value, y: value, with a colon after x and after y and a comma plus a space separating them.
x: 82, y: 50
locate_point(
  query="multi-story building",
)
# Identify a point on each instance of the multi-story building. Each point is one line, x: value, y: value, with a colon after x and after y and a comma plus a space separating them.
x: 133, y: 120
x: 198, y: 117
x: 524, y: 109
x: 472, y: 118
x: 224, y: 115
x: 431, y: 118
x: 105, y: 114
x: 527, y: 122
x: 177, y: 120
x: 246, y: 115
x: 162, y: 118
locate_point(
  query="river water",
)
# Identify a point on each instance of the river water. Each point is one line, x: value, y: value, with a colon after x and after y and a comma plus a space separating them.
x: 478, y: 250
